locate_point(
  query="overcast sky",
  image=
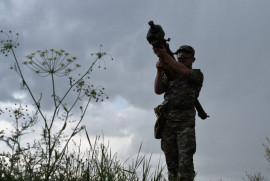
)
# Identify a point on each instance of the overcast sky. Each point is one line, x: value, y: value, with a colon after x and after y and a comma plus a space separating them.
x: 231, y: 40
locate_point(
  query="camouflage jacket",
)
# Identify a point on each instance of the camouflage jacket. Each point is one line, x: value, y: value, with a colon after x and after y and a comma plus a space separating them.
x: 181, y: 92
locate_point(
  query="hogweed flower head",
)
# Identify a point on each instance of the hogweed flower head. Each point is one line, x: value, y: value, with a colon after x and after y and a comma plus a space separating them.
x: 8, y: 42
x: 48, y: 62
x: 100, y: 54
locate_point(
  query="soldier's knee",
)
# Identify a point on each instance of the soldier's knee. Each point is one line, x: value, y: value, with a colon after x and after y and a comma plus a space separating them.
x: 187, y: 176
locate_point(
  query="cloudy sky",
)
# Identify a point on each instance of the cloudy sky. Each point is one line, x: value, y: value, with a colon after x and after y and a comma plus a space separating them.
x: 231, y: 39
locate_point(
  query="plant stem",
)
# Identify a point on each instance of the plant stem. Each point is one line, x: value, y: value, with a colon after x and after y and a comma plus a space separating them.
x: 28, y: 88
x: 73, y: 133
x: 54, y: 94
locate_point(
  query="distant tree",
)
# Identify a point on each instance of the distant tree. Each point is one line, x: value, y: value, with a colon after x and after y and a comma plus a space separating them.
x: 267, y: 150
x: 258, y: 176
x: 255, y: 177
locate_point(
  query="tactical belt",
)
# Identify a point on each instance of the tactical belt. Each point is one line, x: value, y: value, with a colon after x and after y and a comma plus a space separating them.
x: 181, y: 107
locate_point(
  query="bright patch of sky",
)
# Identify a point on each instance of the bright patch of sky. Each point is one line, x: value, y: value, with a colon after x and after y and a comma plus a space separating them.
x: 120, y: 103
x: 19, y: 95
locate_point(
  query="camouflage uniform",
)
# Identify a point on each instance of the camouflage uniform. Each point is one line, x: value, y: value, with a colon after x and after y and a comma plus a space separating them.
x: 178, y: 138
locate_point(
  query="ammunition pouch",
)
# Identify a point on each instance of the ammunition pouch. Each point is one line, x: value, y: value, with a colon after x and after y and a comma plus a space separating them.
x: 158, y: 128
x: 160, y: 112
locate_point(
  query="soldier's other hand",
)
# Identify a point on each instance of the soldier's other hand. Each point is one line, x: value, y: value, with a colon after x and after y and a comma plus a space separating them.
x: 160, y: 52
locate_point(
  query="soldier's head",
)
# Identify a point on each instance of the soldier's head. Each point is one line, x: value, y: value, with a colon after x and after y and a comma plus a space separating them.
x: 185, y: 54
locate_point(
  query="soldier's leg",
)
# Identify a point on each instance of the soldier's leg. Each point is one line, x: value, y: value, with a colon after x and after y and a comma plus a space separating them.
x: 169, y: 147
x: 186, y: 141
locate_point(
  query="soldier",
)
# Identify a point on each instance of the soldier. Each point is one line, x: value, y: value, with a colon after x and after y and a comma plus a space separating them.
x: 178, y: 137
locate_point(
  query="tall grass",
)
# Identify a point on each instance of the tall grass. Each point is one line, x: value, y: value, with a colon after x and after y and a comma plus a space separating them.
x: 96, y: 163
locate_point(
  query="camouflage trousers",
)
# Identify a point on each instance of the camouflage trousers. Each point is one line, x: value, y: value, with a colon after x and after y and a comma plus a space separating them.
x: 178, y: 143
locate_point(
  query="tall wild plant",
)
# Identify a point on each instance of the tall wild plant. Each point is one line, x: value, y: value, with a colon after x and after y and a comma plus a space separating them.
x: 49, y: 158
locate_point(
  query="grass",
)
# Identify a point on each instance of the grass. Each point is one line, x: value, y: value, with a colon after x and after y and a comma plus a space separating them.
x: 96, y: 163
